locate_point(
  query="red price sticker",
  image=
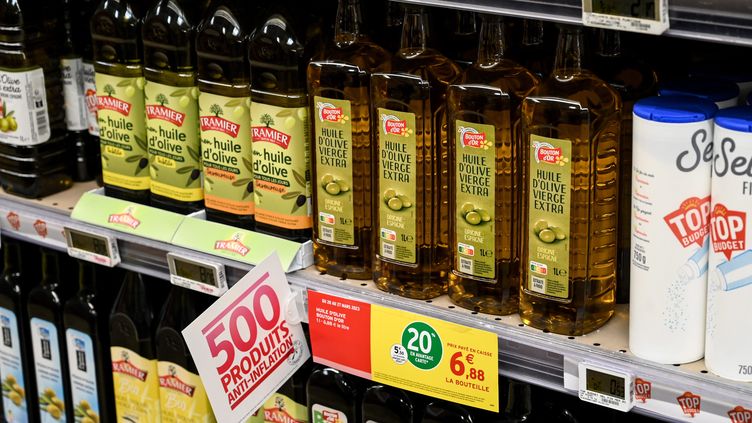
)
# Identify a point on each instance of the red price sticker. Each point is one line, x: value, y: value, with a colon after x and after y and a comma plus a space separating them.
x: 243, y: 346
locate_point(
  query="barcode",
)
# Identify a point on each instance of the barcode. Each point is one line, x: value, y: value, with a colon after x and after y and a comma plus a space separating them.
x: 327, y: 234
x: 42, y: 121
x: 387, y: 250
x: 466, y: 265
x: 539, y: 285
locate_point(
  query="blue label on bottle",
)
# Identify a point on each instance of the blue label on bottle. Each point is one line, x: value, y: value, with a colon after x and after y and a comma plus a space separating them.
x: 83, y: 375
x: 11, y: 369
x: 48, y: 370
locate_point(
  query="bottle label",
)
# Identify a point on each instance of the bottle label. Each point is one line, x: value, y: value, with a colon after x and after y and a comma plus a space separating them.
x: 76, y: 113
x: 397, y: 186
x: 122, y: 131
x: 83, y: 375
x: 226, y: 153
x: 323, y: 414
x: 475, y: 200
x: 23, y: 113
x: 281, y: 408
x: 90, y: 96
x: 548, y: 227
x: 173, y: 138
x: 49, y: 371
x: 136, y: 386
x: 333, y: 159
x: 11, y: 368
x: 182, y: 396
x: 281, y: 161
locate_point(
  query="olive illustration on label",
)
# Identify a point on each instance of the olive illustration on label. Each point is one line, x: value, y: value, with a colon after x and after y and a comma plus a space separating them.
x: 84, y: 412
x: 13, y: 390
x: 334, y: 186
x: 547, y: 236
x: 474, y: 215
x: 396, y: 201
x: 300, y: 200
x: 548, y: 233
x: 540, y: 225
x: 8, y: 123
x: 49, y: 402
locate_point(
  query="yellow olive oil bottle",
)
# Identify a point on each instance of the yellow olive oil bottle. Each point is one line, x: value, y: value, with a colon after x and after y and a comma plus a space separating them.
x: 116, y: 35
x: 571, y: 162
x: 280, y: 130
x: 484, y: 161
x: 410, y: 169
x: 171, y: 104
x: 224, y: 81
x: 341, y: 147
x: 34, y: 154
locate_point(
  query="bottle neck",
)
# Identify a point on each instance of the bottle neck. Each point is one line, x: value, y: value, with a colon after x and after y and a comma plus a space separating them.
x: 50, y: 269
x: 519, y: 402
x: 87, y: 276
x: 609, y: 43
x: 492, y: 44
x: 465, y: 23
x: 347, y: 27
x: 569, y: 52
x: 414, y: 30
x: 11, y: 257
x: 532, y: 32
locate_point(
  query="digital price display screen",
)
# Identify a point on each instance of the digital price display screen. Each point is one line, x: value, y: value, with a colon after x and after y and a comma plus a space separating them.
x: 640, y: 9
x: 90, y: 243
x: 195, y: 272
x: 606, y: 384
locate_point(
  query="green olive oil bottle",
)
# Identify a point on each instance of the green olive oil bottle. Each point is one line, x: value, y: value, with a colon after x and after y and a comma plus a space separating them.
x: 383, y: 404
x: 484, y: 148
x: 341, y: 148
x: 116, y: 35
x: 171, y: 104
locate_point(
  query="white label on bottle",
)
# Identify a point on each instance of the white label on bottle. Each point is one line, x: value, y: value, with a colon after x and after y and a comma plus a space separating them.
x: 90, y: 94
x: 23, y: 113
x: 83, y: 374
x: 76, y: 114
x: 11, y: 369
x: 322, y: 413
x: 48, y: 370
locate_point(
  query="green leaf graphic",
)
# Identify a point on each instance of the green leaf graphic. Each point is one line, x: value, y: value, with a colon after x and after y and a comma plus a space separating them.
x: 241, y: 182
x: 299, y: 178
x: 193, y: 153
x: 179, y: 93
x: 125, y: 83
x: 132, y: 159
x: 234, y: 103
x: 290, y: 195
x: 141, y: 143
x: 248, y: 165
x: 184, y: 169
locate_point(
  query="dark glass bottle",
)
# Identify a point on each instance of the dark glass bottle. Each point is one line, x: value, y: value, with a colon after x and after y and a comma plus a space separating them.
x: 45, y: 312
x: 171, y: 104
x: 116, y: 40
x: 134, y: 363
x: 332, y: 393
x: 386, y: 404
x: 289, y: 403
x: 533, y: 53
x: 463, y: 40
x: 519, y: 403
x: 33, y: 149
x: 446, y: 412
x: 18, y: 382
x: 181, y: 393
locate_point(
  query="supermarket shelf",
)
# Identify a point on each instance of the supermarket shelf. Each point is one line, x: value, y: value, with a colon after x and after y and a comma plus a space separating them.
x: 527, y: 354
x: 726, y: 21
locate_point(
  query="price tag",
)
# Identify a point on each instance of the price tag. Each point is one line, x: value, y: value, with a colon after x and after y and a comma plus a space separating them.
x: 245, y: 346
x: 95, y: 248
x: 643, y: 16
x: 606, y: 387
x: 197, y: 274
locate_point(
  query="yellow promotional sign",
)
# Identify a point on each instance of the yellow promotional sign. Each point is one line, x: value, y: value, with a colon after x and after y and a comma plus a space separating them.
x: 435, y: 358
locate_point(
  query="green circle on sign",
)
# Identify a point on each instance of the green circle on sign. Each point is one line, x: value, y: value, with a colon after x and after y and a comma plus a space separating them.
x: 423, y: 345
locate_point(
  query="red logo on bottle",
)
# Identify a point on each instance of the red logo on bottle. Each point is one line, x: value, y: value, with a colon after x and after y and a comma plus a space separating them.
x: 14, y: 220
x: 728, y: 230
x: 126, y: 368
x: 689, y: 403
x: 266, y: 134
x: 114, y: 104
x: 165, y: 113
x: 174, y: 383
x: 547, y: 153
x: 91, y: 100
x: 41, y: 227
x: 470, y: 137
x: 643, y: 390
x: 233, y: 245
x: 740, y: 415
x: 216, y: 123
x: 329, y: 113
x: 392, y: 125
x: 689, y: 222
x: 125, y: 219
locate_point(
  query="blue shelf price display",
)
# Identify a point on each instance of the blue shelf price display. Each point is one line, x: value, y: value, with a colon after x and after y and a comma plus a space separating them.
x: 643, y: 16
x: 95, y: 248
x: 197, y: 274
x: 609, y: 388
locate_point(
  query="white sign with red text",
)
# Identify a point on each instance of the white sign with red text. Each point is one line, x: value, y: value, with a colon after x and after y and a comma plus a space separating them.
x: 243, y: 345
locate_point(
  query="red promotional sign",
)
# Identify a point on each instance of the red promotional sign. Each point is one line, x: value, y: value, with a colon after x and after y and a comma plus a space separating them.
x: 14, y: 220
x: 690, y: 403
x: 740, y: 415
x: 689, y: 222
x: 643, y: 390
x: 728, y: 230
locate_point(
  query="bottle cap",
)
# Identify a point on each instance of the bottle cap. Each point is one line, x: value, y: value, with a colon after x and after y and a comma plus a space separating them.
x: 715, y: 90
x: 735, y: 118
x: 675, y: 109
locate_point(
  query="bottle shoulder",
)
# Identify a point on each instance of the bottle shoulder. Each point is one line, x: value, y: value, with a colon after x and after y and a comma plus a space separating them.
x: 365, y: 54
x: 506, y: 75
x: 586, y: 88
x: 428, y: 64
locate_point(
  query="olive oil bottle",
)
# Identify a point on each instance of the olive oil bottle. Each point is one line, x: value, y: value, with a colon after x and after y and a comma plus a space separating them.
x: 332, y: 396
x: 280, y: 130
x: 571, y: 161
x: 34, y: 154
x: 116, y: 37
x: 633, y: 80
x: 82, y: 14
x: 134, y: 364
x: 181, y: 393
x: 16, y: 371
x: 485, y: 166
x: 171, y: 104
x: 533, y: 53
x: 45, y: 313
x: 87, y: 341
x: 445, y: 412
x: 410, y: 169
x: 386, y: 404
x: 289, y: 404
x: 341, y: 148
